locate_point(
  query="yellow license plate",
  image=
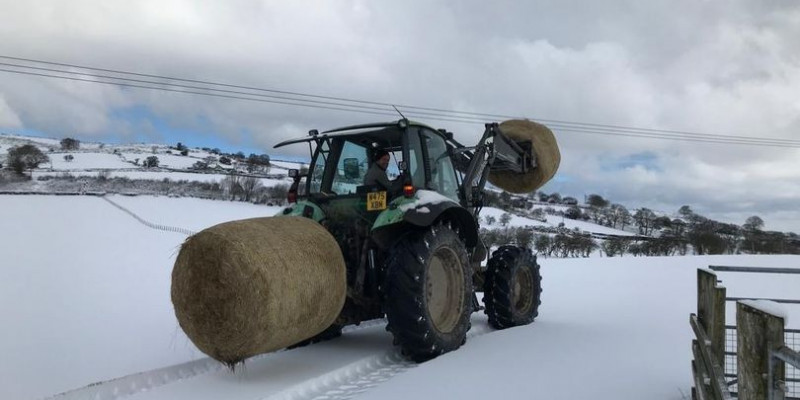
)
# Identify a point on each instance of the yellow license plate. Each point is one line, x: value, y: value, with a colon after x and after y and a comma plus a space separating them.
x: 376, y: 201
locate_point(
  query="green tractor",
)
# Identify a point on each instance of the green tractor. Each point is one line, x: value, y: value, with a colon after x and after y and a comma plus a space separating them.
x: 412, y: 250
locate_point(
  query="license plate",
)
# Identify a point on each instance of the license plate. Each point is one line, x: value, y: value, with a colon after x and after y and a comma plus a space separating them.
x: 376, y: 201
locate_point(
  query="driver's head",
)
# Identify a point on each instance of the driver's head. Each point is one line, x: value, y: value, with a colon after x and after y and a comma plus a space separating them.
x: 381, y: 157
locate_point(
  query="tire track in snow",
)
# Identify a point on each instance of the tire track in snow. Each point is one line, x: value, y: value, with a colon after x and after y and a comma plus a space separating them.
x: 356, y: 378
x: 132, y: 384
x: 148, y: 223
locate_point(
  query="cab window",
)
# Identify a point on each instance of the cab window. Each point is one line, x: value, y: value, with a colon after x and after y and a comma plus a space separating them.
x: 416, y: 167
x: 351, y: 169
x: 318, y: 168
x: 443, y: 175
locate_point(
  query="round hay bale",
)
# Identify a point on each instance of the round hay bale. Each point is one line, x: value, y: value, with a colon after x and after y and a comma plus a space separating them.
x: 544, y: 147
x: 248, y: 287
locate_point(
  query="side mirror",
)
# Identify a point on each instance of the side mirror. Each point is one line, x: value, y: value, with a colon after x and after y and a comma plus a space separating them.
x: 351, y: 170
x: 293, y: 173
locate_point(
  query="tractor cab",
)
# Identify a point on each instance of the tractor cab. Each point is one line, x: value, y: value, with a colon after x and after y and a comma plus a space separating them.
x: 341, y: 158
x: 366, y: 219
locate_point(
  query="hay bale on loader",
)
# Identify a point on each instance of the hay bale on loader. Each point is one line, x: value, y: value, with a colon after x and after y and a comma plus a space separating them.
x: 545, y: 149
x: 248, y: 287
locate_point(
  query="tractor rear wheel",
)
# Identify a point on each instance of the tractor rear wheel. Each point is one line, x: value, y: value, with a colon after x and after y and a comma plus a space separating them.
x: 428, y: 293
x: 513, y: 287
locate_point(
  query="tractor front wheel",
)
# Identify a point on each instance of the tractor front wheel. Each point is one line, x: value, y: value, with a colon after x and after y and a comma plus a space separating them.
x: 513, y: 287
x: 428, y: 292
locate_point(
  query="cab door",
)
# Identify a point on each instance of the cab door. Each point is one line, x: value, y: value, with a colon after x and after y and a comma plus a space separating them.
x: 440, y: 173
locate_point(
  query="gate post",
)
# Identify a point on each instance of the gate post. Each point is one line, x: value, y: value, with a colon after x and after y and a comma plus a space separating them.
x: 759, y: 334
x: 711, y: 312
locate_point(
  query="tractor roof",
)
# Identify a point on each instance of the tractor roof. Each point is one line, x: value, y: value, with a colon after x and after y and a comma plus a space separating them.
x: 377, y: 132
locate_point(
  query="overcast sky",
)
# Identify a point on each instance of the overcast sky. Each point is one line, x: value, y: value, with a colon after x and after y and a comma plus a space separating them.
x: 727, y: 68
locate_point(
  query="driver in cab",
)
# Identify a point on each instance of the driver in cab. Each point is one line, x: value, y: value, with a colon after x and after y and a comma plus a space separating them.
x: 376, y: 175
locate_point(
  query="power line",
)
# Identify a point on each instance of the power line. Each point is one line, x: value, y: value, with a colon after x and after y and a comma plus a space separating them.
x: 290, y: 98
x: 327, y: 105
x: 166, y: 89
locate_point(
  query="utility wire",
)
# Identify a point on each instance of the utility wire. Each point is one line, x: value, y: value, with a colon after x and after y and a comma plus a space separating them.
x: 191, y: 92
x: 362, y: 106
x: 439, y: 110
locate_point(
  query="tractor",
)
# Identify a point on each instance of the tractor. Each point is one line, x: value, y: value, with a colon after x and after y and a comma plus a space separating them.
x: 413, y: 252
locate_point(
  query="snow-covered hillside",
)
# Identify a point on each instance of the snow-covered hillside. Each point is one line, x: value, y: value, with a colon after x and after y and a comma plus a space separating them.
x: 126, y: 161
x: 551, y: 221
x: 84, y: 296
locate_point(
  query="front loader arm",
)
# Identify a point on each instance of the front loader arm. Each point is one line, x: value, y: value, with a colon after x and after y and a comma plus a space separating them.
x: 494, y: 152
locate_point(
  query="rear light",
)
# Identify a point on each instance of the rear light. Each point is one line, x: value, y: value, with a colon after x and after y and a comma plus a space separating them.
x: 408, y: 190
x: 291, y: 197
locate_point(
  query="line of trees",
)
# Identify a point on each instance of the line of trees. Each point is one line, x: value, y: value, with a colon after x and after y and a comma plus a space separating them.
x: 564, y: 243
x: 233, y: 188
x: 689, y: 233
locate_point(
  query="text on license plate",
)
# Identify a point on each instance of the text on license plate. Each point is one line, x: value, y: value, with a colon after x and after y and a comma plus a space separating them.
x: 376, y: 201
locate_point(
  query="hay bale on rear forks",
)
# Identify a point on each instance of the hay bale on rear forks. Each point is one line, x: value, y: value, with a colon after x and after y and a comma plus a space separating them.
x: 545, y: 147
x: 248, y: 287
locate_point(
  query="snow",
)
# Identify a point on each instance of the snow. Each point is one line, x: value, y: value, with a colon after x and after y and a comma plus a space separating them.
x: 769, y: 307
x: 87, y: 161
x: 176, y: 161
x: 288, y: 164
x: 84, y: 296
x: 160, y: 175
x: 425, y: 197
x: 88, y: 288
x: 192, y: 214
x: 552, y: 221
x: 16, y: 140
x: 584, y: 226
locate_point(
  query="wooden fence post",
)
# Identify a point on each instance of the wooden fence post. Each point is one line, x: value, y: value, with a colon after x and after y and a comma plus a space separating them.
x: 759, y: 333
x: 711, y: 312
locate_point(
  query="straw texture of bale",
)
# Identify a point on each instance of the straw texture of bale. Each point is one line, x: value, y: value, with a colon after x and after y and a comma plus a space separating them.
x: 547, y: 154
x: 248, y: 287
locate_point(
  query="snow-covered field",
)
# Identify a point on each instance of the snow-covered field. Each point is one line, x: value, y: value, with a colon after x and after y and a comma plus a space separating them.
x: 552, y: 221
x: 87, y: 161
x: 84, y: 298
x: 158, y: 176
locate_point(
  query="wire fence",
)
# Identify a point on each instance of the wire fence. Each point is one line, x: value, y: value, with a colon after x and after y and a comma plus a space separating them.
x: 148, y: 223
x: 102, y: 195
x: 792, y: 341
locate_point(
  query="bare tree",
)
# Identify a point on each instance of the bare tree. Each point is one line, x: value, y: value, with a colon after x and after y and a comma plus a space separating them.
x: 250, y: 185
x: 618, y: 215
x: 644, y: 218
x: 232, y: 186
x: 25, y: 157
x: 754, y: 223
